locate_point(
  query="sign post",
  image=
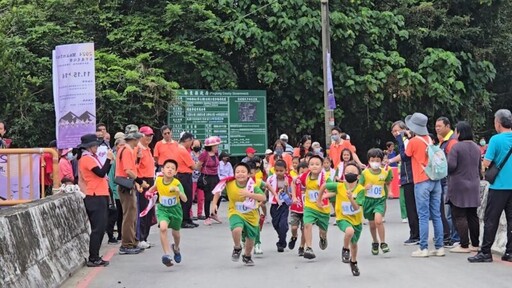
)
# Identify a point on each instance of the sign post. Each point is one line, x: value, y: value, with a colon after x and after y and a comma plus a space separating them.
x: 238, y: 117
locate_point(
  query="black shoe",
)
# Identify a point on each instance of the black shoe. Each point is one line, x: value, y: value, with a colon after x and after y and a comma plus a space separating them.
x: 481, y: 258
x: 97, y: 263
x: 129, y: 251
x: 345, y: 255
x: 201, y: 217
x: 333, y: 215
x: 247, y: 260
x: 410, y: 242
x: 235, y: 256
x: 323, y: 243
x: 113, y: 241
x: 354, y: 268
x: 507, y: 257
x: 309, y: 254
x: 448, y: 244
x: 280, y: 249
x: 195, y: 224
x: 301, y: 251
x: 187, y: 225
x: 291, y: 244
x: 119, y: 238
x: 194, y: 218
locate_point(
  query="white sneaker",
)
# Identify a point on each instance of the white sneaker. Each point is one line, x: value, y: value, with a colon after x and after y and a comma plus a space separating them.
x: 459, y: 249
x: 420, y: 253
x: 257, y: 249
x: 143, y: 245
x: 437, y: 252
x: 405, y: 220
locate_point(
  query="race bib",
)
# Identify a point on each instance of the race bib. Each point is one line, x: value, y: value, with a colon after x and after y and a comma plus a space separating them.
x: 313, y: 195
x: 374, y: 192
x: 168, y: 201
x: 240, y: 207
x: 348, y: 209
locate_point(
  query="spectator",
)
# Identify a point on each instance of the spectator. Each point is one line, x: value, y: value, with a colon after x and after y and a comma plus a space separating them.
x: 4, y: 142
x: 391, y: 153
x: 209, y: 165
x: 145, y: 164
x: 65, y: 167
x: 48, y: 168
x: 279, y: 154
x: 225, y: 167
x: 186, y: 166
x: 426, y: 191
x: 115, y: 219
x: 289, y: 148
x: 303, y: 148
x: 266, y: 165
x: 125, y: 168
x: 249, y: 154
x: 447, y: 139
x: 338, y: 144
x: 165, y: 148
x: 94, y: 184
x: 483, y: 146
x: 317, y: 149
x: 402, y: 136
x: 464, y: 187
x: 500, y: 191
x: 197, y: 194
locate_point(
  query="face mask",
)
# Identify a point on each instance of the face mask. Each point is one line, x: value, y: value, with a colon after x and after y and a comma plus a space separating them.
x: 318, y: 150
x: 375, y: 165
x: 279, y: 151
x: 335, y: 138
x: 196, y: 149
x: 351, y: 177
x: 482, y: 143
x: 69, y: 156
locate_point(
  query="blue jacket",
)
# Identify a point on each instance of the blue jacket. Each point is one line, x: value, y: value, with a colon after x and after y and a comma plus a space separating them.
x: 406, y: 166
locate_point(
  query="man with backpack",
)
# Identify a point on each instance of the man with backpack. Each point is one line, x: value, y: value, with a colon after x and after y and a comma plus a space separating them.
x: 429, y: 166
x: 447, y: 139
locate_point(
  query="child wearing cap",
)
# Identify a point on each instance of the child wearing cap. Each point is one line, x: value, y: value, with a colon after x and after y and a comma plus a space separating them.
x: 250, y: 152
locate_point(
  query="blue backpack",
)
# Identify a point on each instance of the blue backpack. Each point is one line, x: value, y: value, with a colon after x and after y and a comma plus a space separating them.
x: 437, y: 166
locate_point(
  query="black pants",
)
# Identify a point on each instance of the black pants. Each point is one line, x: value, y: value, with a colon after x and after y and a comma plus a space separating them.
x: 497, y: 201
x: 96, y: 207
x: 412, y: 213
x: 186, y: 182
x: 466, y: 219
x: 112, y: 219
x: 119, y: 219
x: 144, y: 223
x: 447, y: 236
x: 279, y: 216
x: 211, y: 182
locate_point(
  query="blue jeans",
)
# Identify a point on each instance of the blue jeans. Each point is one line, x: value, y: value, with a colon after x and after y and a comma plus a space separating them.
x: 428, y: 201
x: 448, y: 212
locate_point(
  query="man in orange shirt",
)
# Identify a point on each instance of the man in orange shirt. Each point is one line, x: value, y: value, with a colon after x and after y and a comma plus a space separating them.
x: 146, y: 172
x: 165, y: 148
x: 338, y: 144
x: 186, y: 166
x: 125, y: 168
x: 426, y: 191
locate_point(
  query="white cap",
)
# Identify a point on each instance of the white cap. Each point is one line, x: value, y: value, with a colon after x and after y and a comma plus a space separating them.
x: 283, y: 137
x: 268, y: 151
x: 348, y: 137
x: 315, y: 144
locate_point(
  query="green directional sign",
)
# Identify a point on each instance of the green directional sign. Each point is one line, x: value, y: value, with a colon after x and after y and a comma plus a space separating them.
x: 239, y: 117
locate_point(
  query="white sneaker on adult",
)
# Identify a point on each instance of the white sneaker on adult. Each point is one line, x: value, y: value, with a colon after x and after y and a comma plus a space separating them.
x: 143, y: 245
x: 420, y: 253
x: 459, y: 249
x: 473, y: 248
x: 405, y: 220
x: 437, y: 252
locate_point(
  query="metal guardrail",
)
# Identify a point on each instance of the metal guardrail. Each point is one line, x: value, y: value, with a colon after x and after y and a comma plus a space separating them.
x: 15, y: 151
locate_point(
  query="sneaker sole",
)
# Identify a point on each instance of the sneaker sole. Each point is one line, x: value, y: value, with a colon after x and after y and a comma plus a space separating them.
x: 249, y: 264
x: 309, y: 256
x: 411, y: 244
x: 375, y: 253
x: 167, y: 262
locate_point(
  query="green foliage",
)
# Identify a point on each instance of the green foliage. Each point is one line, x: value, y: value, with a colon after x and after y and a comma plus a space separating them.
x: 389, y: 58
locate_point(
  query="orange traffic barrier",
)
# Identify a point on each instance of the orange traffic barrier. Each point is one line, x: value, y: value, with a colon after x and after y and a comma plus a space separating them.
x: 12, y: 169
x: 395, y: 184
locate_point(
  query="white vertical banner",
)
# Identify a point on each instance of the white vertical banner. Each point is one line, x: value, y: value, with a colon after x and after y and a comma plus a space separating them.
x: 74, y: 92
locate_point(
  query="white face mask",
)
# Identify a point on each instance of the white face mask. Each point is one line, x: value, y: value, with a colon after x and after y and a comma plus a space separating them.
x: 375, y: 165
x: 70, y: 156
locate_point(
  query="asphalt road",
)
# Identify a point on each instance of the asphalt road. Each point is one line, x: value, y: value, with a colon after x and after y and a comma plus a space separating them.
x: 206, y: 253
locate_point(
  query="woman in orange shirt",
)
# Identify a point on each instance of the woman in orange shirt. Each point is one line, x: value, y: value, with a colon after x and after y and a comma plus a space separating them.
x: 93, y: 181
x: 304, y: 147
x: 279, y: 148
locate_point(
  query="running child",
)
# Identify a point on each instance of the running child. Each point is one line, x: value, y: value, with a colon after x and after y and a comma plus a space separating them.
x: 313, y: 214
x: 280, y: 199
x: 242, y: 210
x: 297, y: 211
x: 169, y: 212
x: 262, y: 207
x: 347, y: 196
x: 376, y: 182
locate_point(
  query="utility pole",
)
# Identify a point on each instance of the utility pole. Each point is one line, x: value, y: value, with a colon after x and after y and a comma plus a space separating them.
x: 326, y: 49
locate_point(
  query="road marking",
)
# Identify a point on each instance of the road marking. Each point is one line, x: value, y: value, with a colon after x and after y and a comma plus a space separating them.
x: 86, y: 281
